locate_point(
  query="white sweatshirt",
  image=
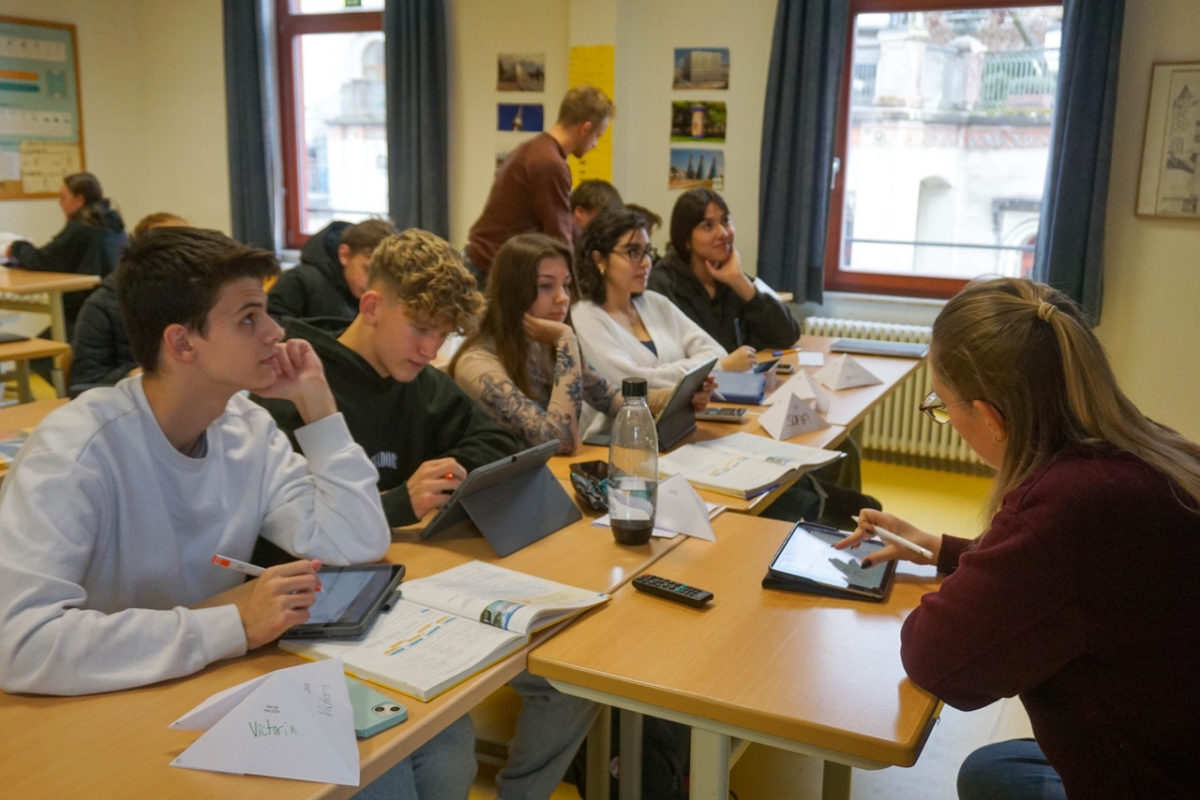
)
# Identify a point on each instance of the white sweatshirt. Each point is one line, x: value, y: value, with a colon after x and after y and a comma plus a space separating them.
x: 106, y: 532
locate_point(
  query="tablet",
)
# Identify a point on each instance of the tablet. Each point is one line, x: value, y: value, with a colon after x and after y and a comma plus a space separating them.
x: 807, y: 562
x: 349, y: 599
x: 677, y: 418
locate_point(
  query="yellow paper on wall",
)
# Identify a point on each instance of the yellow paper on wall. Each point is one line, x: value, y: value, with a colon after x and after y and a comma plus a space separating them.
x: 594, y: 65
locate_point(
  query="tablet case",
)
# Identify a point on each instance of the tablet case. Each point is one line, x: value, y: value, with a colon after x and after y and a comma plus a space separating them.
x: 880, y: 347
x: 747, y: 388
x: 794, y: 583
x: 677, y: 419
x: 513, y: 502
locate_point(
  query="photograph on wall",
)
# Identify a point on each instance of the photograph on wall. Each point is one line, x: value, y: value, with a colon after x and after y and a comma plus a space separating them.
x: 693, y: 169
x: 697, y: 121
x: 701, y: 68
x: 1170, y: 179
x: 513, y: 117
x: 520, y: 72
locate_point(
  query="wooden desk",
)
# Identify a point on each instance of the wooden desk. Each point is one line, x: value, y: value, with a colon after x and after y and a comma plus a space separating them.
x: 798, y: 672
x: 117, y: 745
x: 26, y: 415
x: 22, y: 282
x: 24, y: 352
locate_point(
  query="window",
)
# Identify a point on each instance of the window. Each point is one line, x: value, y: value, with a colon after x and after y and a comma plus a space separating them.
x: 333, y: 108
x: 944, y: 136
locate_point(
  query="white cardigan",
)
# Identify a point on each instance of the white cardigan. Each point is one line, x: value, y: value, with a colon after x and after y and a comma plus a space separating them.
x: 617, y: 354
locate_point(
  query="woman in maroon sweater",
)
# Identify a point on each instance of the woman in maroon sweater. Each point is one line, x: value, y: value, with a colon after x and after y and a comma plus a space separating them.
x: 1082, y: 596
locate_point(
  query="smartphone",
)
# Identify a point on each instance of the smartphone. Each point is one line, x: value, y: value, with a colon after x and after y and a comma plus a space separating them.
x: 373, y: 711
x: 785, y: 369
x: 722, y: 414
x: 764, y: 366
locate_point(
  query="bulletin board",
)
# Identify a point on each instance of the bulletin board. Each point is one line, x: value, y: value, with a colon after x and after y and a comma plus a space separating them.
x: 41, y: 127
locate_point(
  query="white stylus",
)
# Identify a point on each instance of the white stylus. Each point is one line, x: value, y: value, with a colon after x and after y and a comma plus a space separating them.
x: 888, y: 536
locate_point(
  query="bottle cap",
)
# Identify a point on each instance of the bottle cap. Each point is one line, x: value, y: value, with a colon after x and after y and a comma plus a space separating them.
x: 633, y: 387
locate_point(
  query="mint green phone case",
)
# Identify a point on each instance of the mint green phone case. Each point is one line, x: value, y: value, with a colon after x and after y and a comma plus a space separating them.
x: 373, y: 712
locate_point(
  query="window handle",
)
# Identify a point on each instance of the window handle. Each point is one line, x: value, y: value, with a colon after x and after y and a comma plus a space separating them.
x: 834, y: 168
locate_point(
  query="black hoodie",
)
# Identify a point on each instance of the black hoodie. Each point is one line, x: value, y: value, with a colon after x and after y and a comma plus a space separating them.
x: 86, y: 248
x: 400, y: 425
x: 316, y: 287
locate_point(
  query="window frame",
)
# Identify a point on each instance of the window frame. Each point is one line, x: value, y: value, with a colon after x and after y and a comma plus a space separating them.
x: 837, y: 279
x: 289, y: 26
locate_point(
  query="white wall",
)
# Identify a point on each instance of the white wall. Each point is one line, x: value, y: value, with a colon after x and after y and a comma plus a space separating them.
x: 153, y: 93
x: 1151, y: 315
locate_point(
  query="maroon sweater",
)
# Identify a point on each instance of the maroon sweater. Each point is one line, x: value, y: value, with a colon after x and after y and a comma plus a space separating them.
x: 531, y: 194
x: 1082, y: 598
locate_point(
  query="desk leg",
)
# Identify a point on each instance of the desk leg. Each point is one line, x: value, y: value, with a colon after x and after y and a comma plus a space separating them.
x: 24, y: 392
x: 630, y: 756
x: 835, y: 785
x: 710, y: 765
x: 58, y: 332
x: 599, y: 755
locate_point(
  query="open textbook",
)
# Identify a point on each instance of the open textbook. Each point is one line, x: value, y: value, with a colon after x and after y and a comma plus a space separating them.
x: 742, y: 465
x: 450, y: 626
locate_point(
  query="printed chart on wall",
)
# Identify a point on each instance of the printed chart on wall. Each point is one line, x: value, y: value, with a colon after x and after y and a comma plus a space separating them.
x: 41, y: 131
x: 594, y: 65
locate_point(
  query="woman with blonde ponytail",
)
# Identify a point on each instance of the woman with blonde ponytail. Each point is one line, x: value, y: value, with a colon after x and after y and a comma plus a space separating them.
x: 1081, y: 596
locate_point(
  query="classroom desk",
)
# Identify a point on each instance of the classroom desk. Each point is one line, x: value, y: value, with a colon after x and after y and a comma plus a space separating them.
x: 22, y: 352
x: 26, y: 415
x: 118, y: 745
x: 798, y: 672
x: 23, y: 282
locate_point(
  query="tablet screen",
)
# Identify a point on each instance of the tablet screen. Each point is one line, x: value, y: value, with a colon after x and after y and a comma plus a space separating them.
x: 349, y: 599
x: 810, y: 555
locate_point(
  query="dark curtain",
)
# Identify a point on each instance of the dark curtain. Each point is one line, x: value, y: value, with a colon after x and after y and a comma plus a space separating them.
x: 1070, y: 246
x: 799, y: 126
x: 416, y: 54
x: 249, y: 166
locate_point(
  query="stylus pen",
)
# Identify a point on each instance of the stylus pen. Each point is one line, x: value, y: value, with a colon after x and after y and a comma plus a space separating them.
x: 237, y: 566
x: 888, y: 536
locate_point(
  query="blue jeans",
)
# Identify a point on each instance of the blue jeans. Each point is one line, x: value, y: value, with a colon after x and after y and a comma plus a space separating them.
x: 442, y: 769
x: 1012, y: 770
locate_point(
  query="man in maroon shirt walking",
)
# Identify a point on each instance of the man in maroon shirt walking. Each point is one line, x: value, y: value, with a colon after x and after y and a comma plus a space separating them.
x: 533, y: 186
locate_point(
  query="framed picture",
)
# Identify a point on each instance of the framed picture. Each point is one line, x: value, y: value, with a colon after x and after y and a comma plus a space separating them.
x: 1169, y: 185
x: 698, y: 121
x: 701, y: 68
x: 692, y: 168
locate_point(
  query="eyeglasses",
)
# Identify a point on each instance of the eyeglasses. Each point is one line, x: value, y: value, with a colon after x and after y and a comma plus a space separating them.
x: 937, y: 409
x: 635, y: 252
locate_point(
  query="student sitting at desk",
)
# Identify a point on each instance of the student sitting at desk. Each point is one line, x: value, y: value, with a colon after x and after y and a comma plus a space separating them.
x: 332, y: 273
x: 1081, y: 596
x: 101, y: 352
x: 591, y: 197
x: 425, y: 434
x: 114, y: 506
x: 523, y: 365
x: 701, y: 273
x: 90, y: 243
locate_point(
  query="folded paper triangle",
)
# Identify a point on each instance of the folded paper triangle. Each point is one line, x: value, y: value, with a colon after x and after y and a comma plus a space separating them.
x: 792, y: 417
x: 804, y: 387
x: 844, y: 372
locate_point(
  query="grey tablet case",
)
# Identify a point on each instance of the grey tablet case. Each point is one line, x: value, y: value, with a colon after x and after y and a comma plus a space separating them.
x: 677, y: 419
x: 514, y: 501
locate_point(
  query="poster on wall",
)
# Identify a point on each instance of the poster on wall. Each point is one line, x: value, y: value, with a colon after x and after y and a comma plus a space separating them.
x: 520, y: 72
x: 594, y: 65
x: 41, y: 131
x: 701, y: 68
x: 698, y: 121
x: 1170, y: 181
x: 695, y: 168
x: 513, y: 117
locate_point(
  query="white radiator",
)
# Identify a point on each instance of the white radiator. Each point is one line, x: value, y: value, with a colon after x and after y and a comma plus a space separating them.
x: 896, y: 431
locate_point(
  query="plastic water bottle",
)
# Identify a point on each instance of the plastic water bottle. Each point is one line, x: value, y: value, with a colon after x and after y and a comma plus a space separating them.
x: 633, y: 467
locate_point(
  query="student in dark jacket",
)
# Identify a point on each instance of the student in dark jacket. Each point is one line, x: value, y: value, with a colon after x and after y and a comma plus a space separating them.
x: 102, y: 355
x: 423, y: 435
x: 89, y: 244
x: 332, y: 273
x: 1081, y: 596
x: 702, y: 274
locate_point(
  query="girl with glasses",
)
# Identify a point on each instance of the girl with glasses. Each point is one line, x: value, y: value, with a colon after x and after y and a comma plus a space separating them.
x: 1081, y: 595
x: 701, y: 273
x: 524, y: 366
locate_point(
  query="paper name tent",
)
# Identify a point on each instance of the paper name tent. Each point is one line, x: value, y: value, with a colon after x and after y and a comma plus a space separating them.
x: 804, y: 387
x: 844, y: 372
x: 292, y: 723
x: 792, y: 417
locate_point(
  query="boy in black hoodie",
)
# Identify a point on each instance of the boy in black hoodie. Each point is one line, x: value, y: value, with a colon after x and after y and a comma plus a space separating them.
x: 332, y: 273
x: 423, y: 435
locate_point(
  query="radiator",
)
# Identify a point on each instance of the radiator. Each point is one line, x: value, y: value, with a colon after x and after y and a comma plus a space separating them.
x: 895, y: 431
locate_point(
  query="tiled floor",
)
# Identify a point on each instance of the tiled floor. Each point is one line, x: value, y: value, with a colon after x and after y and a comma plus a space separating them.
x: 938, y: 502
